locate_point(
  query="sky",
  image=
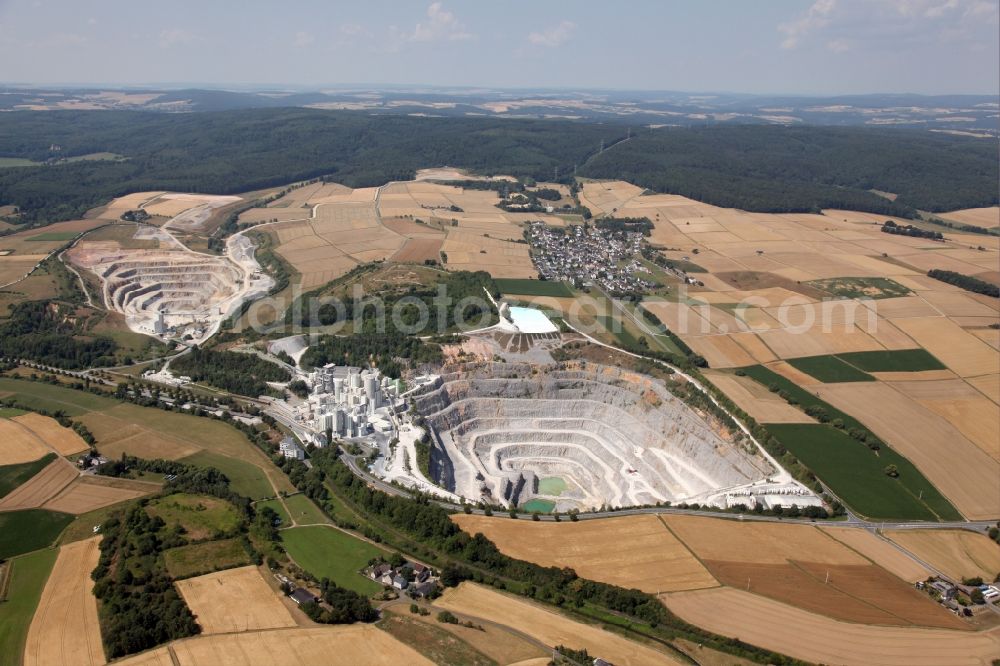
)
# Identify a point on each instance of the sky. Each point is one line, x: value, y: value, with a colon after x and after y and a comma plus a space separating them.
x: 812, y: 47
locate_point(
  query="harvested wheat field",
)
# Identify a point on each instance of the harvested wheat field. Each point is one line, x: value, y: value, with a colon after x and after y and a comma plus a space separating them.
x: 418, y: 250
x: 880, y: 552
x: 87, y: 493
x: 234, y: 600
x: 65, y: 629
x: 758, y: 543
x: 18, y: 444
x: 354, y: 644
x: 632, y: 552
x: 547, y: 626
x: 987, y: 218
x: 958, y: 349
x: 754, y: 398
x: 962, y: 471
x: 972, y: 413
x: 40, y: 488
x: 797, y: 633
x: 62, y: 440
x: 956, y: 553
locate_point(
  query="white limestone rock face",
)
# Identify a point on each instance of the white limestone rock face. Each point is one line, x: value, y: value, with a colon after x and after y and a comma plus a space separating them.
x: 616, y: 438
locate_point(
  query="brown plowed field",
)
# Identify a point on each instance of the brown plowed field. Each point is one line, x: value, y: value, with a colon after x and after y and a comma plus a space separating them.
x: 65, y: 629
x: 18, y: 444
x: 630, y: 551
x: 418, y: 250
x: 549, y: 627
x: 819, y: 639
x: 234, y: 600
x: 62, y: 440
x: 40, y: 488
x: 855, y: 593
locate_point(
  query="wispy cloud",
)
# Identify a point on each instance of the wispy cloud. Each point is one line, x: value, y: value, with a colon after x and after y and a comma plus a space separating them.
x: 303, y: 39
x: 555, y: 36
x: 441, y: 25
x: 818, y: 16
x: 174, y: 36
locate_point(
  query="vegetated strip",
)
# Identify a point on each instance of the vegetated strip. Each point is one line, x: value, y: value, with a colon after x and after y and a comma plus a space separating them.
x: 28, y: 575
x: 893, y: 360
x: 520, y: 287
x: 861, y: 469
x: 829, y: 369
x: 967, y: 282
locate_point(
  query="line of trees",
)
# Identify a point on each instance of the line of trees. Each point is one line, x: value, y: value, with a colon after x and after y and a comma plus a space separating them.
x: 243, y: 374
x: 967, y: 282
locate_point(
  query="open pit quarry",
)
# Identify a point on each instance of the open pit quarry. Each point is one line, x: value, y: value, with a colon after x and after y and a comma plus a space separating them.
x: 172, y: 292
x: 578, y: 436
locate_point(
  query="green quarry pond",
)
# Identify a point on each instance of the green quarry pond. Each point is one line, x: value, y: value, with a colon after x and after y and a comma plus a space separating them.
x: 551, y: 485
x: 539, y: 505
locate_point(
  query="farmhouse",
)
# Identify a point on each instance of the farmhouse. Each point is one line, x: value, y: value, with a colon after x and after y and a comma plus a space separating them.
x: 301, y: 595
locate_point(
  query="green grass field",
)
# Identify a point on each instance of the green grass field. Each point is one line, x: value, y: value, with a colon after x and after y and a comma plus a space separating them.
x: 24, y: 531
x: 899, y: 360
x: 829, y: 369
x: 26, y: 584
x: 326, y: 552
x: 82, y: 526
x: 857, y: 475
x: 533, y: 288
x: 55, y: 236
x: 10, y: 162
x: 11, y: 476
x: 203, y: 558
x: 303, y: 511
x: 201, y: 516
x: 278, y: 508
x: 11, y: 412
x: 54, y: 398
x: 245, y: 478
x: 861, y: 287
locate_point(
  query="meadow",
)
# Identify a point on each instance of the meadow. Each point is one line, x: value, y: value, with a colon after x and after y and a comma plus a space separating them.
x: 326, y: 552
x: 200, y: 558
x: 24, y: 531
x: 829, y: 369
x: 27, y: 581
x: 522, y: 287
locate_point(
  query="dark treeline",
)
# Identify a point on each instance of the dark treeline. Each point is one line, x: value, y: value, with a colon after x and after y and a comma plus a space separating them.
x: 343, y: 606
x: 891, y: 227
x: 235, y: 372
x: 41, y: 331
x: 390, y: 352
x: 237, y: 151
x: 415, y: 309
x: 641, y: 224
x: 967, y: 282
x: 795, y: 169
x: 760, y: 168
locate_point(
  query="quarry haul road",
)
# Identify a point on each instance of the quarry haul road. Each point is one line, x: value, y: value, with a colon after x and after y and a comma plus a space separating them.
x: 853, y: 523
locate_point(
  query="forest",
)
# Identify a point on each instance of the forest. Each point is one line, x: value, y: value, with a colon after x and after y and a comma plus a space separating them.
x: 757, y: 168
x: 801, y: 169
x: 245, y: 374
x: 41, y: 331
x: 967, y: 282
x: 389, y: 352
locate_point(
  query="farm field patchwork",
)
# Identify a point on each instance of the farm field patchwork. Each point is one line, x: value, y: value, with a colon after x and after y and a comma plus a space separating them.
x: 64, y: 441
x: 24, y: 590
x: 326, y: 552
x: 957, y: 553
x: 880, y: 552
x: 88, y: 493
x: 41, y: 487
x: 829, y: 369
x: 12, y: 476
x: 360, y: 644
x: 19, y: 445
x: 632, y: 552
x: 534, y: 288
x: 548, y: 626
x: 234, y: 600
x: 65, y: 628
x: 780, y: 627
